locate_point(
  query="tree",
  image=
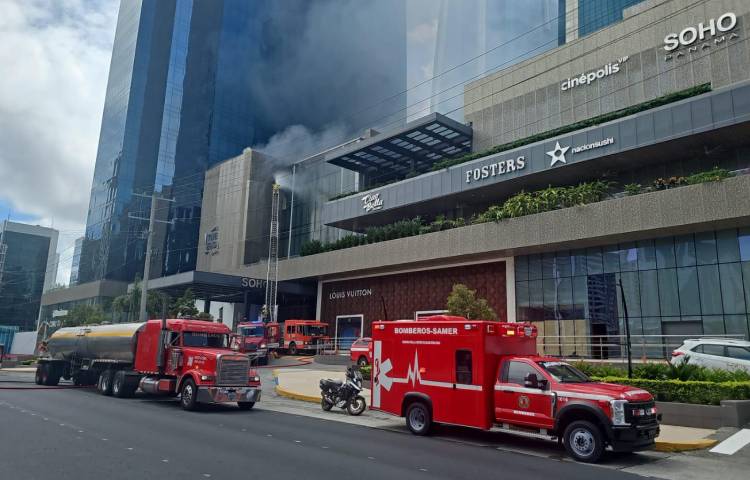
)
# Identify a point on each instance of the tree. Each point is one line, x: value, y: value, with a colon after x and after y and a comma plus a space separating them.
x: 130, y: 303
x: 183, y: 306
x: 205, y: 316
x: 462, y: 302
x: 83, y: 315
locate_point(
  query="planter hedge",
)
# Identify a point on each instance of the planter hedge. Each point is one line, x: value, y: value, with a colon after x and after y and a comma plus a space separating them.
x: 703, y: 393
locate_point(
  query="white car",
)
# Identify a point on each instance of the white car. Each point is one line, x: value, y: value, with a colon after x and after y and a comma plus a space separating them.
x: 721, y: 353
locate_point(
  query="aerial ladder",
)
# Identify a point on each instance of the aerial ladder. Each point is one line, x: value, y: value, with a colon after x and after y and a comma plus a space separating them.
x: 270, y: 308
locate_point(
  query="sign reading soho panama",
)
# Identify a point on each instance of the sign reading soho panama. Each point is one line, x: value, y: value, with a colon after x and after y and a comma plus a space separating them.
x: 589, y: 77
x: 714, y: 31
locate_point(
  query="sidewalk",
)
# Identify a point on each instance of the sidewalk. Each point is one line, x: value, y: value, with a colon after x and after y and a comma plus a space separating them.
x: 303, y: 385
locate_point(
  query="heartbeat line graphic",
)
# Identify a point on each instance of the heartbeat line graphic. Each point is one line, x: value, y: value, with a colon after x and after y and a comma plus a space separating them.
x: 412, y: 373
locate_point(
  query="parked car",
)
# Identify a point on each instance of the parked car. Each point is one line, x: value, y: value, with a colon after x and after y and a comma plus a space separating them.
x: 721, y: 353
x: 360, y: 351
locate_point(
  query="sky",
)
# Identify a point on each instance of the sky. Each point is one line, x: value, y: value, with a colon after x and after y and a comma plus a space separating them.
x: 55, y: 57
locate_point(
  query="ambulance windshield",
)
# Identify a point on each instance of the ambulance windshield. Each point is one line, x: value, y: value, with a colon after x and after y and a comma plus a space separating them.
x: 564, y: 373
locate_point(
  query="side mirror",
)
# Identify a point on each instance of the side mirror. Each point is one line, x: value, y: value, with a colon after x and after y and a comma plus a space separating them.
x: 531, y: 381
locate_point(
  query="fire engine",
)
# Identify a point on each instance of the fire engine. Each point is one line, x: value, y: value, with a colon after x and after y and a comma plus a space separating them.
x: 487, y: 375
x: 190, y: 358
x: 309, y: 335
x: 257, y: 340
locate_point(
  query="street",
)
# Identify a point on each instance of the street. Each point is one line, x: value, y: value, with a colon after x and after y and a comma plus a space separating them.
x: 78, y: 434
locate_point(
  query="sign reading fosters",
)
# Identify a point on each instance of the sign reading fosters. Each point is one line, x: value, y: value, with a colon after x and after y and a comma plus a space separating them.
x: 586, y: 78
x: 494, y: 169
x: 341, y: 294
x: 714, y: 28
x: 371, y: 202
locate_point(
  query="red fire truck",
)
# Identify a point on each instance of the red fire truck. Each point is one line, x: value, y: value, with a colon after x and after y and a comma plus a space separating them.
x: 190, y: 358
x: 257, y: 340
x: 305, y: 335
x: 487, y: 375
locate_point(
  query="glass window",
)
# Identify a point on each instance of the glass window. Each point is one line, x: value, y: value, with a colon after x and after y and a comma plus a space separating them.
x: 522, y: 268
x: 548, y: 265
x: 687, y: 279
x: 649, y: 293
x: 732, y: 294
x: 628, y: 257
x: 744, y: 240
x: 630, y: 284
x: 736, y: 324
x: 565, y: 298
x: 463, y: 367
x: 522, y: 301
x: 740, y: 353
x: 562, y: 264
x: 536, y: 300
x: 727, y: 245
x: 669, y: 298
x: 710, y: 290
x: 713, y: 325
x: 564, y: 373
x: 684, y: 250
x: 611, y: 259
x: 517, y: 372
x: 579, y: 262
x: 664, y: 252
x: 646, y: 255
x: 594, y: 262
x: 705, y: 248
x: 580, y: 297
x: 709, y: 349
x: 535, y: 267
x: 550, y: 299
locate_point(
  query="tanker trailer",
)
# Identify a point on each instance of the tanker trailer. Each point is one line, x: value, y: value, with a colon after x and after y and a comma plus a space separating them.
x: 189, y: 358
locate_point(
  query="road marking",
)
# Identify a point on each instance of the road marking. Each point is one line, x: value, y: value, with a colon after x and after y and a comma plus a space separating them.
x: 297, y: 441
x: 422, y: 469
x: 165, y: 460
x: 323, y: 446
x: 104, y: 439
x: 731, y: 445
x: 207, y: 475
x: 130, y: 448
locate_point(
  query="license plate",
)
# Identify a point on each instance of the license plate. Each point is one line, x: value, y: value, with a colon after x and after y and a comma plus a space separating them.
x: 527, y: 331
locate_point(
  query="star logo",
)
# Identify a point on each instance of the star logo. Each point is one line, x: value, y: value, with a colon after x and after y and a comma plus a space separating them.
x: 558, y: 154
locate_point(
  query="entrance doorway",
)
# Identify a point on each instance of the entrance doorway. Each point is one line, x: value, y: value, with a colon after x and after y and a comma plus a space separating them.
x: 348, y: 329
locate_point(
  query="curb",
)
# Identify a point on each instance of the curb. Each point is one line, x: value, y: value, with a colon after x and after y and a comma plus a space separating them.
x: 296, y: 396
x: 664, y: 446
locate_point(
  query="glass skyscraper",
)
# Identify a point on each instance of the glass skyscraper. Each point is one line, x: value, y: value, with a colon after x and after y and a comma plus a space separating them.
x: 194, y: 82
x: 594, y: 15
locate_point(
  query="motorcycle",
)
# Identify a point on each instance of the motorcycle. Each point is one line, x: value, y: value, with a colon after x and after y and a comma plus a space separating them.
x: 344, y: 395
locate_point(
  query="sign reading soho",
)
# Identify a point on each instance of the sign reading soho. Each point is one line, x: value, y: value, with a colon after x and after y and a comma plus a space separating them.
x: 713, y: 29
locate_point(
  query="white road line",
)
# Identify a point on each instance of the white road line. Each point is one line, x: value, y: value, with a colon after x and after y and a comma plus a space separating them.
x: 731, y: 445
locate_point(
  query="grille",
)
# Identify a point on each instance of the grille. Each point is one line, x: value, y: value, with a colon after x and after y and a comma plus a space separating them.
x: 639, y: 419
x: 233, y: 371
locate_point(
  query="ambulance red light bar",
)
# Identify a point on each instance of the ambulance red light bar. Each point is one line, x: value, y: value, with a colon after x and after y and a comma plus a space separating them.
x: 518, y: 330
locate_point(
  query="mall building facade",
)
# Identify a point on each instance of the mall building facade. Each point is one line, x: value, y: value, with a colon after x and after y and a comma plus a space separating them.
x: 662, y: 94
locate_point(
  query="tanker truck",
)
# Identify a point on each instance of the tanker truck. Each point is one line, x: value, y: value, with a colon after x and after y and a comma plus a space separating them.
x: 189, y: 358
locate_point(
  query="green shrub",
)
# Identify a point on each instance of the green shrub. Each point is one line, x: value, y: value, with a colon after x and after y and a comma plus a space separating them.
x: 633, y: 188
x: 652, y: 371
x: 714, y: 175
x: 311, y: 247
x: 698, y: 392
x: 599, y: 369
x: 366, y: 371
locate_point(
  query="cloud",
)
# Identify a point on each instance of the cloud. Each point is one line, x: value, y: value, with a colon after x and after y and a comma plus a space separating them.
x: 55, y: 58
x: 424, y: 32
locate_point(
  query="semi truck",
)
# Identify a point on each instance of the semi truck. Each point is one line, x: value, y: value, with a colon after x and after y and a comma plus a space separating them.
x: 488, y: 375
x: 257, y: 339
x: 189, y: 358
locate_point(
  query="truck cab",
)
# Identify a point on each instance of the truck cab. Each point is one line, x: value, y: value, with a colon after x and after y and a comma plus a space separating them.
x: 257, y: 340
x: 488, y: 375
x: 305, y: 335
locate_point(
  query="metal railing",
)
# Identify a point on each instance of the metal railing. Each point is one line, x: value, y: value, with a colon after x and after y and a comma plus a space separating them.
x: 612, y: 348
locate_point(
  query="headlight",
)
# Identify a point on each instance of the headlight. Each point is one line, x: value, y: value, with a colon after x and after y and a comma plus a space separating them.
x: 618, y: 412
x: 262, y: 345
x: 207, y: 378
x: 255, y: 378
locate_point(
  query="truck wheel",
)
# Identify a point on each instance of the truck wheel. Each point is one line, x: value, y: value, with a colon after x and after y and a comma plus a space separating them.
x: 52, y: 375
x: 105, y: 382
x: 362, y: 362
x: 246, y: 405
x: 119, y: 385
x: 41, y: 374
x: 418, y: 418
x: 583, y: 441
x: 189, y: 395
x: 292, y: 348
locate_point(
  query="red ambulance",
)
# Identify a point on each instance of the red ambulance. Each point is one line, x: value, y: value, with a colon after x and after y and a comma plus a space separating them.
x: 487, y: 375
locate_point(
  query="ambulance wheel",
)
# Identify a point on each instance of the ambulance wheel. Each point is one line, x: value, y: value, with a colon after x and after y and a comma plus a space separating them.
x: 189, y: 395
x: 362, y: 362
x: 41, y: 374
x: 246, y: 405
x: 583, y: 441
x: 105, y: 382
x: 418, y: 418
x: 292, y: 348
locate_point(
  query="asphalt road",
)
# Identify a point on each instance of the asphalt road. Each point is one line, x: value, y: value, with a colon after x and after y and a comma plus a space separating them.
x: 77, y: 434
